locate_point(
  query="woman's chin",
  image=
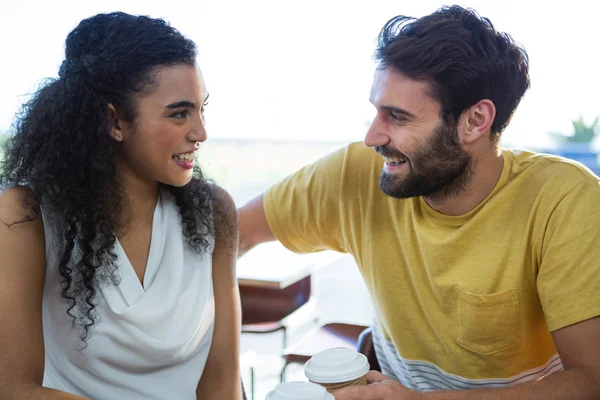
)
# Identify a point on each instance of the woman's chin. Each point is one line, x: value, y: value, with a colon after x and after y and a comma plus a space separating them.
x: 178, y: 181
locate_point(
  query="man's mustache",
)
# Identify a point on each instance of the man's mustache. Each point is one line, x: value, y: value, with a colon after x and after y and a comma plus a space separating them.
x: 388, y: 151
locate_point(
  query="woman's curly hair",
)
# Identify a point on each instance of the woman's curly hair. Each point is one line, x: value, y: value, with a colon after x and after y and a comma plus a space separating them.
x: 61, y: 149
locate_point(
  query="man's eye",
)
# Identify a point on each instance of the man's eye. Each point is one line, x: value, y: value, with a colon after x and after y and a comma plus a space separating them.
x: 397, y: 117
x: 204, y: 106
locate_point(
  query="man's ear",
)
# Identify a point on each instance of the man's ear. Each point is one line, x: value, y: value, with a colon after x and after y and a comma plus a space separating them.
x: 116, y: 132
x: 476, y: 121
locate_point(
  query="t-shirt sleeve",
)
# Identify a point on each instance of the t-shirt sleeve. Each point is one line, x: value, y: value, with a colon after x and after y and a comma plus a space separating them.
x: 569, y: 274
x: 304, y: 210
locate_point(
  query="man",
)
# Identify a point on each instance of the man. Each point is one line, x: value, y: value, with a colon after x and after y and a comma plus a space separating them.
x: 483, y: 264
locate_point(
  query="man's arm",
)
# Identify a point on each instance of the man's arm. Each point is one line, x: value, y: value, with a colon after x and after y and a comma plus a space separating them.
x: 578, y: 346
x: 306, y: 210
x: 253, y: 226
x: 221, y: 376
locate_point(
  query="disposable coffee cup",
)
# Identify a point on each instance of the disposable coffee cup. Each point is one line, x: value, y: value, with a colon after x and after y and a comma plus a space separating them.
x: 299, y: 391
x: 337, y: 368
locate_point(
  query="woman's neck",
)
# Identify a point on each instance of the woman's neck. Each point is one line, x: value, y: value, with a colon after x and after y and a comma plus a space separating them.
x: 141, y: 196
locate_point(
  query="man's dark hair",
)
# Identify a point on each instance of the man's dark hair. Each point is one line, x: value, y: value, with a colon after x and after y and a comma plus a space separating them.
x: 463, y: 58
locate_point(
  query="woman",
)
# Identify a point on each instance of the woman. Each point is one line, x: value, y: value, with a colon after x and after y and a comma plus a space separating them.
x: 117, y: 267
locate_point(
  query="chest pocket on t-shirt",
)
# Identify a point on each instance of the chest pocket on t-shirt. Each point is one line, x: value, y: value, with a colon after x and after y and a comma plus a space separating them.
x: 487, y: 323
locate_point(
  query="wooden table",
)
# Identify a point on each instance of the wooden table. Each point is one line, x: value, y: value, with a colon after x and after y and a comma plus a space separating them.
x: 272, y: 266
x: 275, y: 289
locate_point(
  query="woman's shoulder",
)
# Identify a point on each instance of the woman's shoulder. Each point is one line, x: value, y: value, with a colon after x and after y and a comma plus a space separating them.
x: 222, y: 199
x: 224, y: 216
x: 18, y: 205
x: 21, y: 226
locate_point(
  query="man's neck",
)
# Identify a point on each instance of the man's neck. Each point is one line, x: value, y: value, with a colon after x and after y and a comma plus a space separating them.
x: 487, y: 169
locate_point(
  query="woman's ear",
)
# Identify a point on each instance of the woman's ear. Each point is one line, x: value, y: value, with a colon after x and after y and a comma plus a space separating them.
x: 115, y: 123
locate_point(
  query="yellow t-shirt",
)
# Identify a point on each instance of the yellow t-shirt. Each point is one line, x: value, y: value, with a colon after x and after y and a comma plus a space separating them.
x: 460, y: 301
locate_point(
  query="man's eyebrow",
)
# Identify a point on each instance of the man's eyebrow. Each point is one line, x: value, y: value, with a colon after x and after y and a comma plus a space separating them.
x: 179, y: 104
x: 398, y: 111
x: 395, y: 109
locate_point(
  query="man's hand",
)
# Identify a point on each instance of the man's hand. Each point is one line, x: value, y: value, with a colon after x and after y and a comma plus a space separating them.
x: 380, y: 387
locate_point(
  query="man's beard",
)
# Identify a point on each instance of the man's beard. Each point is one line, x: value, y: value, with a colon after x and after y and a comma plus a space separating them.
x: 437, y: 171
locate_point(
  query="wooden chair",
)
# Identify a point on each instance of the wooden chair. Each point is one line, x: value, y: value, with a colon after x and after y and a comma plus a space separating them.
x: 366, y: 347
x: 264, y: 310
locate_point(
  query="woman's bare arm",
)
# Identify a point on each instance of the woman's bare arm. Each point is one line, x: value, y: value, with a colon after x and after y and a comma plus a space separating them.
x: 22, y: 273
x: 221, y: 377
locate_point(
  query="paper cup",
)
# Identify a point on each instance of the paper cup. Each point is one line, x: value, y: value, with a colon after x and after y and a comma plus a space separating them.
x: 299, y: 391
x: 337, y: 368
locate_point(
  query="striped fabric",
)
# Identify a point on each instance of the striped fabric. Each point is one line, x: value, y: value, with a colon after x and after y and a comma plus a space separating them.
x: 425, y: 376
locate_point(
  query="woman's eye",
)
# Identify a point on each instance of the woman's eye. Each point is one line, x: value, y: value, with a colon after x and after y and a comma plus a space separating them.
x: 180, y: 114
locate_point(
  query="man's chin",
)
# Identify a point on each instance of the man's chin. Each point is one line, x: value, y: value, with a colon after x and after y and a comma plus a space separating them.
x: 392, y: 189
x: 401, y: 187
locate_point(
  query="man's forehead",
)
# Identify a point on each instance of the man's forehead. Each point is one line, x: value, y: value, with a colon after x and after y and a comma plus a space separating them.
x: 393, y: 88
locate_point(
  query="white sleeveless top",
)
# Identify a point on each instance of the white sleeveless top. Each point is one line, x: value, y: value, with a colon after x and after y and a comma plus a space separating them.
x: 150, y: 341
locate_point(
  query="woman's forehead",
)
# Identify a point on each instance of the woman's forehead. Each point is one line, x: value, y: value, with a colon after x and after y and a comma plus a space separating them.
x: 178, y: 83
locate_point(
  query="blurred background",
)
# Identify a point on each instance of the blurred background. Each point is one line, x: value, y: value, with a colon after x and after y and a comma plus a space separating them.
x: 289, y: 82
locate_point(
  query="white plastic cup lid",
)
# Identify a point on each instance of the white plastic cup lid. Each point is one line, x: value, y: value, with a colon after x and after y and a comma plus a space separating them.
x: 338, y: 364
x: 299, y: 391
